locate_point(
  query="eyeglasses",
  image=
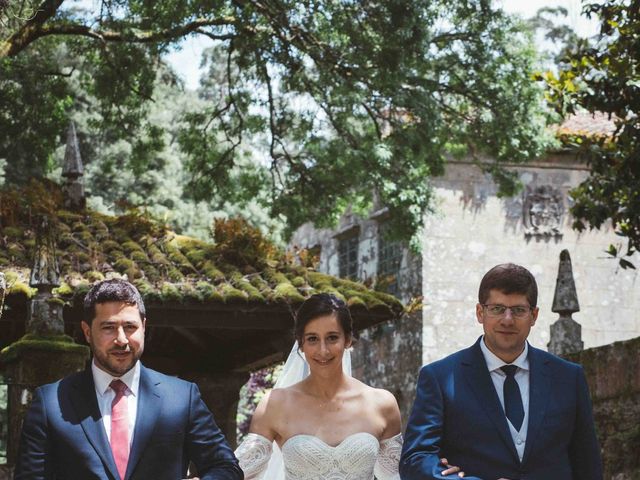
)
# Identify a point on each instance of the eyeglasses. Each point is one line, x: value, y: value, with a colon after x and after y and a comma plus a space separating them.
x: 497, y: 310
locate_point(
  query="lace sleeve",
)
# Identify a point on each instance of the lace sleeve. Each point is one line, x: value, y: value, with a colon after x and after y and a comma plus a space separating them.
x: 388, y: 460
x: 253, y: 454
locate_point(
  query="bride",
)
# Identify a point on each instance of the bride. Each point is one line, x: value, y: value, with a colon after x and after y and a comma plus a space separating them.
x: 327, y: 425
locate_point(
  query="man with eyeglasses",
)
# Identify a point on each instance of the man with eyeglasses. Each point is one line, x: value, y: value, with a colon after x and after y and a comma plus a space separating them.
x: 502, y: 409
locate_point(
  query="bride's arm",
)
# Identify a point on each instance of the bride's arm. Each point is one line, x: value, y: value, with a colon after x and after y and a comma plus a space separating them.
x: 386, y: 467
x: 255, y: 451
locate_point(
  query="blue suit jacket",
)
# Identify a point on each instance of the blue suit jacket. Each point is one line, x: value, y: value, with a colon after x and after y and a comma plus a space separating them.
x: 63, y: 436
x: 457, y: 415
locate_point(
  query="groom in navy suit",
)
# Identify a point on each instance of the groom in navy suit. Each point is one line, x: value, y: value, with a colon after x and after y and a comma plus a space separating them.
x: 502, y: 409
x: 118, y: 420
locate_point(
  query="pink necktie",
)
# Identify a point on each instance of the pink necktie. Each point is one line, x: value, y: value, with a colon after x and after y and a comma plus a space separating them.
x: 120, y: 427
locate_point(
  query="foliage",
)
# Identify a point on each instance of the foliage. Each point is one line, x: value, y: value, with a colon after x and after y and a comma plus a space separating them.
x: 242, y: 245
x: 308, y: 106
x: 605, y: 78
x: 260, y: 382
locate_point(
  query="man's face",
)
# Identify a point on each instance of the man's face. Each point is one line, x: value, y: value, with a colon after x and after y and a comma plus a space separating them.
x: 116, y: 337
x: 505, y: 334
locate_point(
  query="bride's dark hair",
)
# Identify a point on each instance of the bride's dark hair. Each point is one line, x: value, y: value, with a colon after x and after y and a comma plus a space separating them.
x: 320, y: 305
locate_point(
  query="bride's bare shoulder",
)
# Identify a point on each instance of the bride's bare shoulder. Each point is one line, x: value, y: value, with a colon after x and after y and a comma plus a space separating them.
x: 381, y: 398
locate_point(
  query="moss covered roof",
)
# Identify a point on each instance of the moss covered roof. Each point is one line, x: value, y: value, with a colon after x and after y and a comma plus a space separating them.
x: 240, y: 268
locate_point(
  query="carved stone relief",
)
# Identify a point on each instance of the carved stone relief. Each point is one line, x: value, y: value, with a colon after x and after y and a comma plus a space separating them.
x: 543, y: 211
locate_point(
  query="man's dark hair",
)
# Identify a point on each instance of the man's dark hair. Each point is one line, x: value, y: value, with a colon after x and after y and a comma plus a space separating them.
x: 509, y: 278
x: 113, y: 290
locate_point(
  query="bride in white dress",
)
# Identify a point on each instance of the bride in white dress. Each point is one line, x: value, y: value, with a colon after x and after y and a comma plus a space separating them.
x: 328, y: 425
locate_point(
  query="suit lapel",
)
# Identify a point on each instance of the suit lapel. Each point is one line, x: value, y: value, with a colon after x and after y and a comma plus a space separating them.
x: 539, y: 394
x: 85, y: 404
x: 477, y: 375
x: 149, y: 405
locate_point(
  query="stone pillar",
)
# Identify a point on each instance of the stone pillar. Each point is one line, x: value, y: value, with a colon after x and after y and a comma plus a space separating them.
x: 221, y: 392
x: 44, y: 354
x: 566, y: 333
x: 73, y: 170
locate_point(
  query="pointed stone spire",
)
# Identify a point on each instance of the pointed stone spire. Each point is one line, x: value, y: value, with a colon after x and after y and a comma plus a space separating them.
x: 565, y: 299
x: 72, y: 167
x: 566, y: 333
x: 72, y: 170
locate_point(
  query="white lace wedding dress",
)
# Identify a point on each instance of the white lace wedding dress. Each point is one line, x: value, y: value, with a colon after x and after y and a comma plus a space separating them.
x: 358, y: 457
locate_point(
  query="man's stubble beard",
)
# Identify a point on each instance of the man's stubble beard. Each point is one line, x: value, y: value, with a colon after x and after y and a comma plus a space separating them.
x: 112, y: 368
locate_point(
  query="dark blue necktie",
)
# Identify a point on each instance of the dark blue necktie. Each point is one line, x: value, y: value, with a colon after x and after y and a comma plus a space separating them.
x: 512, y: 398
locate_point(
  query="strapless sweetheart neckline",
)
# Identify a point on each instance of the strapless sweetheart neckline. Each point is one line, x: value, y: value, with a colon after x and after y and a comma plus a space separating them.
x: 298, y: 435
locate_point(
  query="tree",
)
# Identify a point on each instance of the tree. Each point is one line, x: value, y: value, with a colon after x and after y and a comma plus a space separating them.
x: 605, y: 78
x: 344, y: 102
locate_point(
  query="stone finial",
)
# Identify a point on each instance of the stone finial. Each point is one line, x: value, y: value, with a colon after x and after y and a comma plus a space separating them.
x: 72, y: 167
x: 45, y: 273
x: 565, y: 299
x: 73, y: 188
x: 566, y: 333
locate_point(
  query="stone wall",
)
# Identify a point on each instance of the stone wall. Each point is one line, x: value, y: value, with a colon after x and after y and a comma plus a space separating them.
x: 613, y: 374
x: 387, y: 356
x: 472, y: 230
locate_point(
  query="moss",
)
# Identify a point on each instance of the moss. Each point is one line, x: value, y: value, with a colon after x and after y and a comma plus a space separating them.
x: 319, y: 280
x: 109, y: 245
x: 78, y: 226
x: 21, y: 288
x: 56, y: 343
x: 231, y: 294
x: 15, y: 232
x: 63, y: 290
x: 11, y: 277
x: 123, y: 264
x: 81, y: 289
x: 15, y: 250
x: 196, y: 257
x: 149, y: 293
x: 82, y: 257
x: 190, y: 294
x: 174, y: 274
x: 56, y: 301
x: 243, y: 284
x: 116, y: 255
x: 85, y: 236
x: 139, y: 256
x: 298, y: 282
x: 212, y: 272
x: 288, y: 293
x: 208, y: 293
x: 258, y: 282
x: 275, y: 277
x: 131, y: 247
x: 94, y: 276
x: 356, y: 302
x: 150, y: 272
x: 170, y: 293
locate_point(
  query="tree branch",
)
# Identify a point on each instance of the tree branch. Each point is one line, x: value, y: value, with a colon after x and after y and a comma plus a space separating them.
x: 35, y: 29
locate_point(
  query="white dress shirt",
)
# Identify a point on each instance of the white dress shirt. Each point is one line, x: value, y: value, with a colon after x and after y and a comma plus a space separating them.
x: 105, y: 395
x: 522, y: 378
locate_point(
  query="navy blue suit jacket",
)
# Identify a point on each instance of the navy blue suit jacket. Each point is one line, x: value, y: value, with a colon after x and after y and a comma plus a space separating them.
x: 63, y: 436
x: 457, y: 415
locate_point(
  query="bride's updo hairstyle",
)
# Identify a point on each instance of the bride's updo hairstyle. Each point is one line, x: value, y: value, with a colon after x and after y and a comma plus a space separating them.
x: 321, y: 305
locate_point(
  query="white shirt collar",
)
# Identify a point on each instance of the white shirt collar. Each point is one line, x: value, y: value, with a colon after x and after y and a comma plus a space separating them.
x: 494, y: 363
x: 102, y: 380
